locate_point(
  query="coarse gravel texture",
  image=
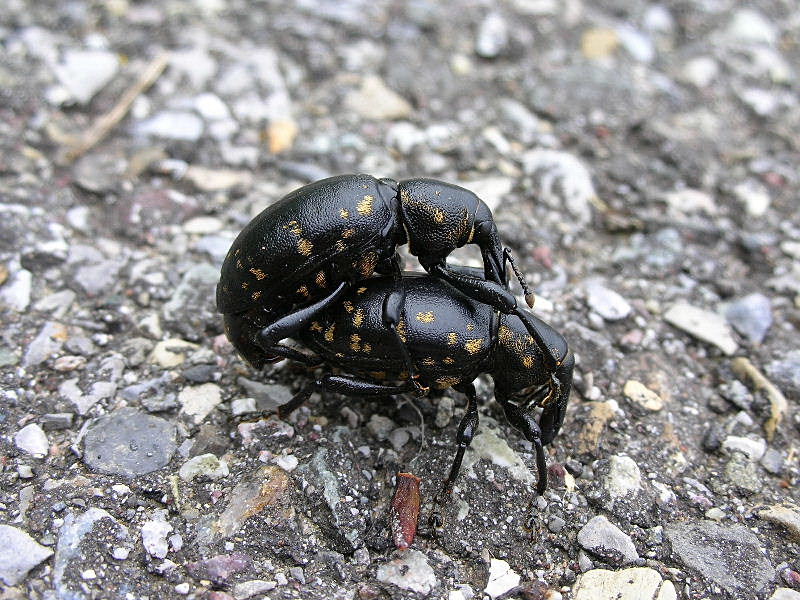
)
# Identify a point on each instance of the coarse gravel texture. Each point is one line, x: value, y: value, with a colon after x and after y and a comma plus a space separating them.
x: 641, y: 161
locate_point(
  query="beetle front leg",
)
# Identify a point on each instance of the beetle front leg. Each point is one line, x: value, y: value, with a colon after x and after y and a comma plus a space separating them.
x: 466, y: 431
x: 525, y: 422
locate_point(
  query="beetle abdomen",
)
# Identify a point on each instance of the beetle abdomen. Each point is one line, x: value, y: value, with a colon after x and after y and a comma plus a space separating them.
x: 308, y: 242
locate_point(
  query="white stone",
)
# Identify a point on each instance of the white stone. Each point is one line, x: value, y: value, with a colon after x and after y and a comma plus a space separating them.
x: 753, y: 196
x: 199, y: 400
x: 287, y: 462
x: 182, y: 588
x: 700, y: 71
x: 171, y: 353
x: 19, y: 553
x: 172, y: 125
x: 374, y: 100
x: 83, y: 73
x: 489, y: 446
x: 204, y: 465
x: 637, y: 392
x: 490, y: 189
x: 606, y: 302
x: 637, y: 583
x: 751, y: 26
x: 638, y: 45
x: 785, y: 594
x: 33, y: 440
x: 501, y: 578
x: 211, y: 107
x: 16, y: 293
x: 600, y: 535
x: 705, y: 325
x: 689, y: 201
x: 243, y: 406
x: 410, y: 571
x: 624, y: 476
x: 753, y: 449
x: 248, y: 589
x: 154, y: 537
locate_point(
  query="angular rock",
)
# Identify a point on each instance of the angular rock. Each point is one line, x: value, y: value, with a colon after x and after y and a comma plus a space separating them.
x: 374, y: 100
x: 637, y: 392
x: 206, y: 466
x: 19, y: 553
x: 33, y: 440
x: 605, y: 302
x: 786, y: 515
x: 85, y: 72
x: 751, y: 316
x: 727, y: 556
x: 199, y: 400
x: 604, y: 539
x: 250, y: 497
x: 502, y: 578
x: 638, y: 583
x: 410, y: 571
x: 154, y: 537
x: 705, y: 325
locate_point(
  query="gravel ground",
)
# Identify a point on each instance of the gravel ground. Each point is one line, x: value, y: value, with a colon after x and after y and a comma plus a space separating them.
x: 640, y: 159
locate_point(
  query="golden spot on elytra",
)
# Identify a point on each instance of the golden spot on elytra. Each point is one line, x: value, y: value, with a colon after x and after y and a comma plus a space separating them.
x: 348, y: 233
x: 258, y: 273
x: 329, y: 332
x: 505, y: 333
x: 405, y: 196
x: 367, y: 348
x: 340, y: 246
x: 428, y: 361
x: 348, y: 306
x: 245, y: 285
x: 339, y: 355
x: 473, y: 346
x: 367, y: 263
x: 303, y: 291
x: 426, y: 317
x: 471, y: 235
x: 239, y: 264
x: 315, y: 326
x: 304, y: 247
x: 402, y: 330
x: 345, y: 213
x: 237, y: 252
x: 449, y: 360
x: 256, y: 295
x: 439, y: 217
x: 358, y: 318
x: 470, y: 327
x: 452, y: 338
x: 445, y: 382
x: 294, y: 227
x: 364, y: 207
x: 528, y: 361
x: 379, y: 375
x: 361, y: 290
x: 320, y: 279
x: 355, y: 342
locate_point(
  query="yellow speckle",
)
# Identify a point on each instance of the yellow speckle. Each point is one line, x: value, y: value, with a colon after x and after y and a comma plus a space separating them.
x: 315, y: 326
x: 329, y: 333
x: 238, y: 252
x: 445, y: 382
x: 439, y: 216
x: 366, y: 264
x: 426, y: 317
x: 449, y: 360
x: 528, y: 361
x: 303, y: 291
x: 367, y: 348
x: 470, y: 327
x: 452, y: 338
x: 361, y: 290
x: 304, y: 247
x: 471, y: 235
x: 428, y: 361
x: 258, y: 273
x: 294, y: 227
x: 345, y: 213
x: 364, y: 207
x: 256, y: 295
x: 339, y: 355
x: 473, y: 346
x: 348, y: 233
x: 355, y: 342
x: 379, y: 375
x: 320, y: 279
x: 340, y: 246
x: 401, y: 331
x: 239, y: 264
x: 358, y: 318
x: 506, y: 335
x: 348, y: 306
x: 245, y: 285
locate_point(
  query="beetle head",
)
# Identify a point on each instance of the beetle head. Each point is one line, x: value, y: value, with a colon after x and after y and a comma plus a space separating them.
x: 521, y: 376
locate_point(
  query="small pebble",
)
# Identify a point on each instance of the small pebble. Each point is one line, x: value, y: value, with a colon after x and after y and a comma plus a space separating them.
x: 33, y: 440
x: 183, y: 588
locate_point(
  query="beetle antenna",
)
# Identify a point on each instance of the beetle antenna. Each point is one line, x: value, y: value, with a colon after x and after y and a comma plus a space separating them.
x: 530, y: 298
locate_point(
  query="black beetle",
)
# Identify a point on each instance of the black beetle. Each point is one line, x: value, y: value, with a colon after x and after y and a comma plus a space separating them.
x: 300, y: 254
x: 451, y: 339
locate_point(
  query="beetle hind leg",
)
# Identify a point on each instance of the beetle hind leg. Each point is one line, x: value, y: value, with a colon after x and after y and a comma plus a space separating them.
x: 525, y: 422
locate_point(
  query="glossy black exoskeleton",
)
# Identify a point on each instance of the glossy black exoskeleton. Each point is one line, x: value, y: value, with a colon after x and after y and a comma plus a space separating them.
x: 451, y: 339
x: 301, y: 254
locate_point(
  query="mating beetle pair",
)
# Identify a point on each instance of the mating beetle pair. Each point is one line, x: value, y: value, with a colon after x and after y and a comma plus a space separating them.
x: 295, y: 261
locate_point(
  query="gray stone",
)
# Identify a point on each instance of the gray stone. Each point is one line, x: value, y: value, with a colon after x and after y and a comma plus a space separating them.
x: 705, y: 325
x: 380, y: 426
x: 84, y: 541
x: 751, y: 316
x: 737, y: 394
x: 16, y: 293
x: 773, y: 461
x: 172, y: 125
x: 85, y: 72
x: 605, y: 302
x: 562, y: 181
x: 128, y: 442
x: 19, y: 553
x: 785, y: 373
x: 268, y: 396
x: 742, y: 474
x: 604, y: 539
x: 729, y: 557
x: 206, y: 466
x: 47, y: 343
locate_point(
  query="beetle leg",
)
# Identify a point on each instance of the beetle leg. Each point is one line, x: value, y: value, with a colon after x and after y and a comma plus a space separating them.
x: 489, y: 242
x: 524, y: 421
x: 466, y: 431
x: 268, y: 337
x: 392, y: 314
x: 555, y: 406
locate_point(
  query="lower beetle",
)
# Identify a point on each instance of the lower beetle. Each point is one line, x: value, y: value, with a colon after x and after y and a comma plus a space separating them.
x: 451, y: 339
x: 301, y: 254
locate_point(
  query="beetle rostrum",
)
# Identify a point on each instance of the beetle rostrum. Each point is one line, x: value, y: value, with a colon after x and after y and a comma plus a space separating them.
x: 302, y: 253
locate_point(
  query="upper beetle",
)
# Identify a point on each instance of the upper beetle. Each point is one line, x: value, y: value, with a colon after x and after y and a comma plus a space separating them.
x: 300, y: 254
